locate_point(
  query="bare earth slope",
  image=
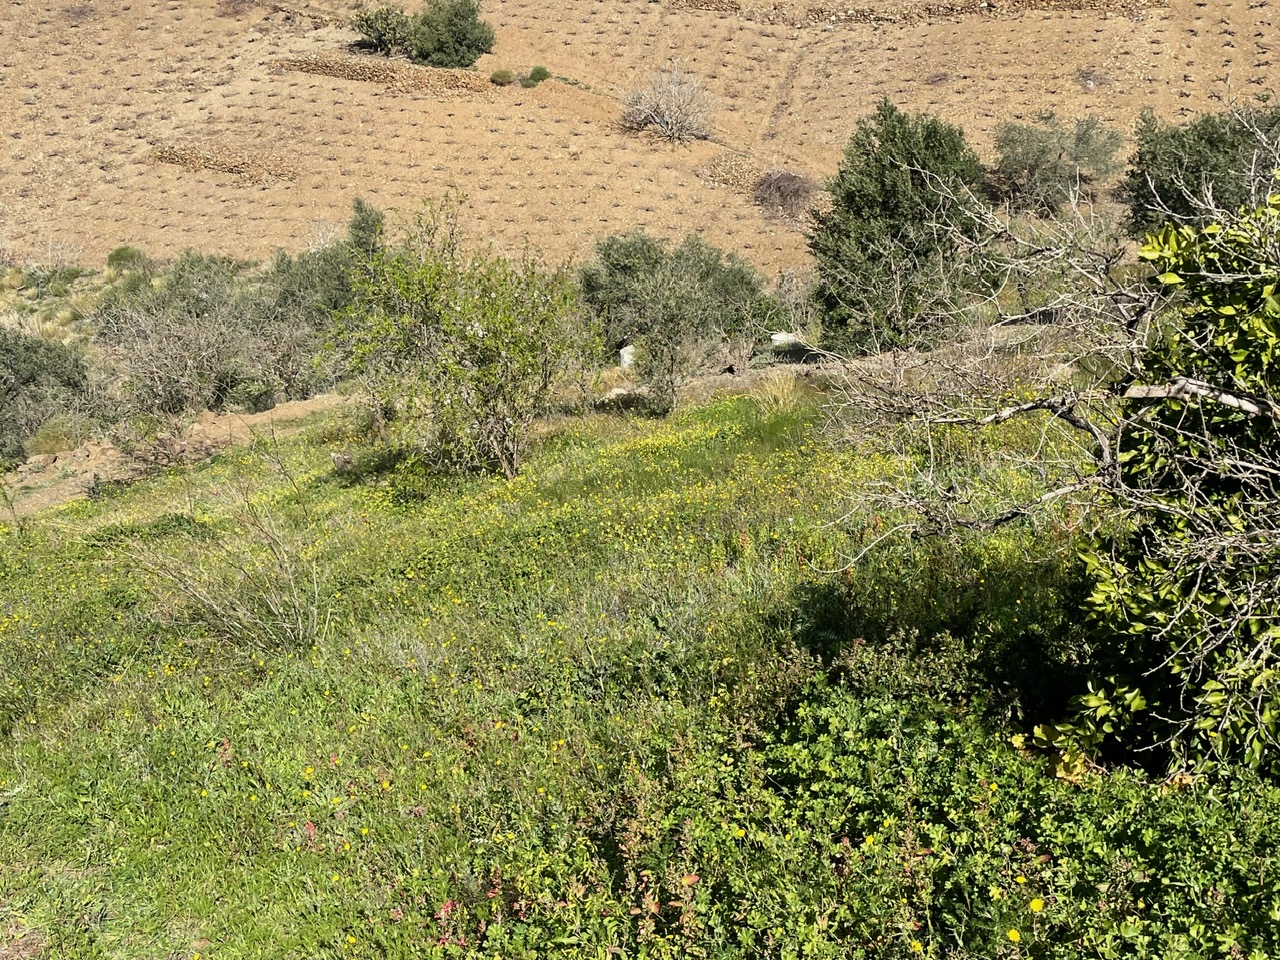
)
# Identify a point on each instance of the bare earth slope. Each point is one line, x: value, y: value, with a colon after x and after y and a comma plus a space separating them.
x: 221, y: 125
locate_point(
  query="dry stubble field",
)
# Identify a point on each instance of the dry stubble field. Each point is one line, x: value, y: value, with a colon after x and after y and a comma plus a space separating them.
x: 239, y: 128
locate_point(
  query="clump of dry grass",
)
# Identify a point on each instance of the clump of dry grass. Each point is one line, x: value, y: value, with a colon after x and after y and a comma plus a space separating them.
x: 778, y: 392
x: 676, y: 104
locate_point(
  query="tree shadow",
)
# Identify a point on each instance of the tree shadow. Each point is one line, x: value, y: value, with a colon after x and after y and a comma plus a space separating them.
x: 1006, y: 638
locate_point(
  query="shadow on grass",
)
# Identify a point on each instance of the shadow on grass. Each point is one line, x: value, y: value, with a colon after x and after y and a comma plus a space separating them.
x: 1005, y: 638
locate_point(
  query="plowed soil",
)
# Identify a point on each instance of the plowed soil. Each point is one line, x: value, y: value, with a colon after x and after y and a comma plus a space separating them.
x: 237, y: 128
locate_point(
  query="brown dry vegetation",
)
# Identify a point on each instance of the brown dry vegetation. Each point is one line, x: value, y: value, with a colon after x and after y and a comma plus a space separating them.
x: 140, y: 122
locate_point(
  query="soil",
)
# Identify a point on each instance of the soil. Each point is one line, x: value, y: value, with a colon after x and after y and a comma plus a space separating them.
x: 46, y: 481
x: 241, y: 128
x: 49, y: 480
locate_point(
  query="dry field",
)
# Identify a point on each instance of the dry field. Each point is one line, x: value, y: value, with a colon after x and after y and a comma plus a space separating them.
x: 239, y: 128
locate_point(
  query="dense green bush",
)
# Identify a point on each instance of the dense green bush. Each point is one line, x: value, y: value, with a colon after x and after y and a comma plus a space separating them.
x: 128, y: 258
x: 385, y: 29
x: 39, y: 379
x: 313, y: 285
x: 728, y: 299
x: 909, y: 830
x: 1232, y: 153
x: 539, y: 73
x: 672, y: 303
x: 502, y: 78
x: 1043, y: 166
x: 896, y: 204
x: 444, y: 33
x: 1190, y: 594
x: 449, y: 33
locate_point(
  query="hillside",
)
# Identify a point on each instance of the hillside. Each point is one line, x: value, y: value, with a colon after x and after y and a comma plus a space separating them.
x: 260, y: 709
x: 485, y: 590
x: 239, y: 128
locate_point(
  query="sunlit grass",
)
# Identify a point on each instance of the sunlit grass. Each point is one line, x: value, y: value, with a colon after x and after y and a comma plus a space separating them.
x: 635, y: 700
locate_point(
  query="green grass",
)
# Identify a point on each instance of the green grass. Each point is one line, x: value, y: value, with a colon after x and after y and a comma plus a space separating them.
x: 488, y: 627
x: 260, y: 709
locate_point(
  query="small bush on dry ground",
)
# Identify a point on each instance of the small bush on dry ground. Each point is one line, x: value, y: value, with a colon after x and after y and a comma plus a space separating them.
x: 676, y: 104
x: 444, y: 33
x: 449, y: 33
x: 385, y: 29
x: 786, y: 193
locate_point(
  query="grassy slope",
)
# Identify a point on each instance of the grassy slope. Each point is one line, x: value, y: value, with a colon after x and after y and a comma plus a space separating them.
x: 496, y: 653
x: 544, y: 714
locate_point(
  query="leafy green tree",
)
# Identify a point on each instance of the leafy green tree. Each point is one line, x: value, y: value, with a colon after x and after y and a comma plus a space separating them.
x: 677, y: 305
x: 899, y: 190
x: 444, y: 33
x: 466, y: 344
x: 1219, y: 160
x: 1193, y: 591
x: 1040, y: 167
x: 385, y: 29
x: 449, y: 33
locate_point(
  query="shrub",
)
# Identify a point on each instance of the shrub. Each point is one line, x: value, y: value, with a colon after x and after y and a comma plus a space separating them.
x: 449, y: 33
x: 891, y: 822
x: 128, y: 258
x: 1230, y: 155
x: 677, y: 305
x: 676, y: 104
x: 1041, y: 167
x: 181, y: 343
x: 502, y: 78
x: 786, y: 193
x: 539, y: 73
x: 895, y: 201
x: 210, y: 333
x: 385, y: 29
x: 39, y: 379
x: 62, y: 431
x: 1189, y: 595
x: 467, y: 343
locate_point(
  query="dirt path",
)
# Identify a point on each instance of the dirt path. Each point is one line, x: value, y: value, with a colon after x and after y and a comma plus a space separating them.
x: 47, y: 481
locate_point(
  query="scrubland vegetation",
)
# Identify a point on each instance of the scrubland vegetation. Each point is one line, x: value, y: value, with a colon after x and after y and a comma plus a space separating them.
x: 962, y: 646
x: 442, y: 33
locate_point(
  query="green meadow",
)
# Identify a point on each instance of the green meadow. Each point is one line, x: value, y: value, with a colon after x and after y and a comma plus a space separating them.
x: 637, y: 702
